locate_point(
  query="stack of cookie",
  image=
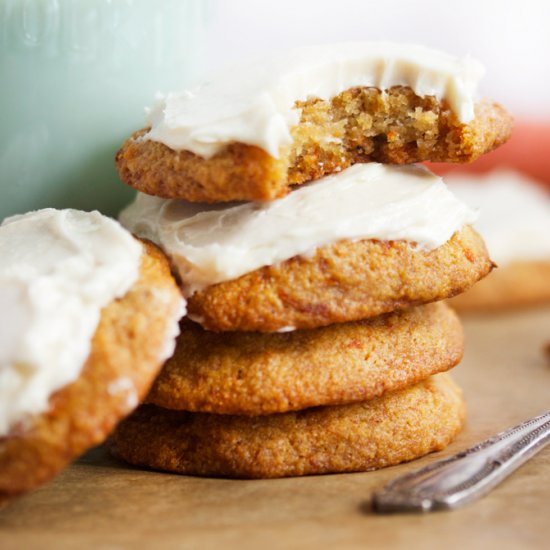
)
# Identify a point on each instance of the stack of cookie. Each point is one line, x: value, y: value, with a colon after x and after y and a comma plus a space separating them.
x: 315, y: 340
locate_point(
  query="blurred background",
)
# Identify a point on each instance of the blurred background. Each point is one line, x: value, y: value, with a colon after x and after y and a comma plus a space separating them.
x: 511, y: 38
x: 77, y: 74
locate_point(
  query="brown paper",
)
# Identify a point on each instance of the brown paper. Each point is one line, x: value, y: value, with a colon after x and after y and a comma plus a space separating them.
x: 100, y: 503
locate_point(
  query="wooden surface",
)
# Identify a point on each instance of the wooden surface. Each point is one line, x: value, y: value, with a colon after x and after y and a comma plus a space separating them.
x: 101, y: 504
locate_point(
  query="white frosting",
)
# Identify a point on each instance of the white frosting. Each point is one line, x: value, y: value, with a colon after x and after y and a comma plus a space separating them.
x: 213, y: 243
x: 254, y: 103
x: 515, y: 214
x: 173, y: 327
x: 58, y: 269
x: 124, y: 386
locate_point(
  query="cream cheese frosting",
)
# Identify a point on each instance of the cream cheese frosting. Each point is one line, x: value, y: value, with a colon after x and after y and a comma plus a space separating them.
x: 515, y: 214
x: 254, y: 103
x: 212, y: 243
x: 59, y: 268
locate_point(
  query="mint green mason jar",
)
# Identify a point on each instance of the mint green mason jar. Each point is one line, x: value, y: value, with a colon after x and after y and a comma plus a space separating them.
x: 75, y: 76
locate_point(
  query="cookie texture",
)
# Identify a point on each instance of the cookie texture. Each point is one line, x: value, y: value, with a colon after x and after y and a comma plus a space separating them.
x: 387, y: 430
x: 516, y: 285
x: 346, y: 281
x: 359, y: 125
x: 257, y: 374
x: 128, y: 349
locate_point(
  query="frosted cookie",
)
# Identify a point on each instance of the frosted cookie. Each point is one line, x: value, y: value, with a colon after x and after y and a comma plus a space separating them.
x: 367, y: 241
x: 88, y: 316
x: 342, y: 282
x: 253, y: 131
x: 257, y: 374
x: 394, y: 428
x: 515, y: 222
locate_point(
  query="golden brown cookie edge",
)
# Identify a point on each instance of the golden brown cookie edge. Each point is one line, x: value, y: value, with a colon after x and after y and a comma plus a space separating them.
x: 388, y: 430
x: 258, y: 374
x: 342, y: 282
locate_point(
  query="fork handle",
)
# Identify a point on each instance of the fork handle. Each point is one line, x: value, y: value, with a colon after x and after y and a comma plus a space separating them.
x: 466, y: 476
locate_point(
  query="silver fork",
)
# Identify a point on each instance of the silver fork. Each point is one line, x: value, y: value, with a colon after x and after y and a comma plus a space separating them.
x: 466, y: 476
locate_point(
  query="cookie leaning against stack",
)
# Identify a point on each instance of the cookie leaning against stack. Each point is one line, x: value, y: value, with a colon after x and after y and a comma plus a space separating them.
x: 89, y: 315
x: 316, y: 353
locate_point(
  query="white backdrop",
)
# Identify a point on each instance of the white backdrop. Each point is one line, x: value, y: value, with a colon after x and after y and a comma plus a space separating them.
x: 511, y: 38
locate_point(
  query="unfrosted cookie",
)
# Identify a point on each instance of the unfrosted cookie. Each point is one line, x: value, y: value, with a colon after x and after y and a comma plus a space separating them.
x: 131, y: 342
x: 358, y: 125
x: 343, y: 282
x: 396, y: 427
x: 258, y: 374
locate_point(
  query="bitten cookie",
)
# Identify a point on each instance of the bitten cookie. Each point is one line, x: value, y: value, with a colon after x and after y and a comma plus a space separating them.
x: 358, y: 125
x: 258, y: 374
x: 134, y: 336
x: 394, y: 428
x: 252, y: 131
x: 342, y: 282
